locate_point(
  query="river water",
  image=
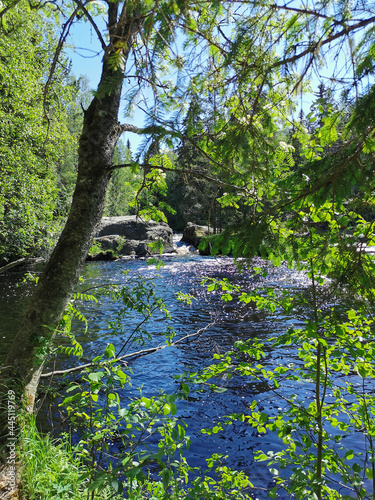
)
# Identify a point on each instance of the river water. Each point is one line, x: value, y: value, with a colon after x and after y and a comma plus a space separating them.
x: 231, y: 321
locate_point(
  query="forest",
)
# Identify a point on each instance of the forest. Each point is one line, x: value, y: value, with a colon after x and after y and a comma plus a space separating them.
x: 257, y: 119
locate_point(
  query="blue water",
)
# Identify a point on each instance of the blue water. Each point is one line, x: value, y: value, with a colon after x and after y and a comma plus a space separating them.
x: 233, y: 321
x: 156, y: 372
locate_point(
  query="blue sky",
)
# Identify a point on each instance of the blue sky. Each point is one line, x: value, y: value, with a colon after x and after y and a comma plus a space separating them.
x: 86, y: 57
x: 86, y: 61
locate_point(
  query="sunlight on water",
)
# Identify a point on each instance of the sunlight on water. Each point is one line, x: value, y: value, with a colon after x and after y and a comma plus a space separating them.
x: 231, y: 321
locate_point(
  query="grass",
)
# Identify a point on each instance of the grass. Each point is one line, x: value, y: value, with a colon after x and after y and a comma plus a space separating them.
x: 50, y: 470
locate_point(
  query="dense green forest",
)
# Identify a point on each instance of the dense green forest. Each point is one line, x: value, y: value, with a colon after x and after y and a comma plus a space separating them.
x: 259, y: 121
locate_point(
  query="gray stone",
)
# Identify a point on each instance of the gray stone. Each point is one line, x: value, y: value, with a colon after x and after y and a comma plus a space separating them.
x: 131, y: 235
x: 193, y: 233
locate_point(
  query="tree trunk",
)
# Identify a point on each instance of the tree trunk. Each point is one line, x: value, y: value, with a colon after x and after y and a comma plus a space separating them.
x: 100, y: 134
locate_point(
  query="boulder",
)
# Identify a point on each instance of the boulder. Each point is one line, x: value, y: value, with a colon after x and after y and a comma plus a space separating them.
x: 131, y: 235
x: 193, y: 233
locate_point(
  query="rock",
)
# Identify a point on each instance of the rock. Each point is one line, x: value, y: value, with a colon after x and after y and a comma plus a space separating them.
x: 131, y: 235
x: 107, y: 255
x: 193, y: 233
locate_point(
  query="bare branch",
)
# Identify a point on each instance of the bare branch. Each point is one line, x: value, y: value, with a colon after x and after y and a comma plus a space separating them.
x: 143, y: 352
x: 308, y: 12
x: 127, y: 127
x: 92, y: 22
x: 152, y: 83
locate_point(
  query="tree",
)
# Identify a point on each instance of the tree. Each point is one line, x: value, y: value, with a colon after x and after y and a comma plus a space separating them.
x: 146, y: 29
x: 31, y: 146
x: 123, y: 186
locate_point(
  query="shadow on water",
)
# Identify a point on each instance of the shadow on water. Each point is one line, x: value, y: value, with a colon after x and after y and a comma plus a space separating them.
x: 14, y: 293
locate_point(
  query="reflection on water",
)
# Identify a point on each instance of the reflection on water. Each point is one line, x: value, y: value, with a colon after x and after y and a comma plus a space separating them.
x: 232, y: 321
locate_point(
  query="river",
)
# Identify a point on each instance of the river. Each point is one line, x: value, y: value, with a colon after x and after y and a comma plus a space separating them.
x: 232, y: 321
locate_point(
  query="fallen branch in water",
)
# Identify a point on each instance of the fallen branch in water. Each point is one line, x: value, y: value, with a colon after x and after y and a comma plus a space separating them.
x: 12, y: 264
x: 142, y: 352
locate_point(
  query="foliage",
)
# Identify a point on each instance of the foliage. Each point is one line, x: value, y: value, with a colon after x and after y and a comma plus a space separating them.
x: 50, y: 468
x: 295, y: 192
x: 193, y: 199
x: 124, y: 184
x: 149, y: 200
x: 67, y: 164
x: 33, y: 133
x: 112, y: 430
x: 334, y: 367
x: 95, y: 249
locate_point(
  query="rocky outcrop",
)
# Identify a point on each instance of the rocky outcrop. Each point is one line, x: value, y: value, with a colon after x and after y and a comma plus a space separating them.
x: 193, y: 233
x: 131, y: 235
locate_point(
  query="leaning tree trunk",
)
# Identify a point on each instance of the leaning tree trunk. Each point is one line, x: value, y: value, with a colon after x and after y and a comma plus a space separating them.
x: 100, y: 134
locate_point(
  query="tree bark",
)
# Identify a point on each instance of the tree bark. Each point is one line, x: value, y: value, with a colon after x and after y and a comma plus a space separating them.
x: 100, y: 134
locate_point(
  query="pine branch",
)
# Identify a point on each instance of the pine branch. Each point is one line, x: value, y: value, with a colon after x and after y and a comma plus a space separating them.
x: 330, y: 38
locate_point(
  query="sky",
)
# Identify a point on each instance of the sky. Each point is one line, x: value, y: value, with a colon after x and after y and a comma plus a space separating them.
x: 86, y: 60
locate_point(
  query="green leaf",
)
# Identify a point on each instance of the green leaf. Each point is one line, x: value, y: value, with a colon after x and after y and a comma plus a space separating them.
x: 110, y: 351
x: 185, y: 389
x: 166, y: 477
x: 218, y: 389
x: 352, y: 314
x: 173, y: 408
x: 117, y: 486
x: 369, y: 474
x: 357, y: 468
x: 98, y: 483
x: 95, y: 376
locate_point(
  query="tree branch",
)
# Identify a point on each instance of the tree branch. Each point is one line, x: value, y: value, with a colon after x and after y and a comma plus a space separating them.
x: 307, y: 12
x: 63, y: 36
x: 198, y: 33
x: 143, y: 352
x: 13, y: 264
x: 185, y: 171
x: 139, y: 77
x: 92, y: 22
x: 127, y: 127
x: 325, y: 178
x: 316, y: 45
